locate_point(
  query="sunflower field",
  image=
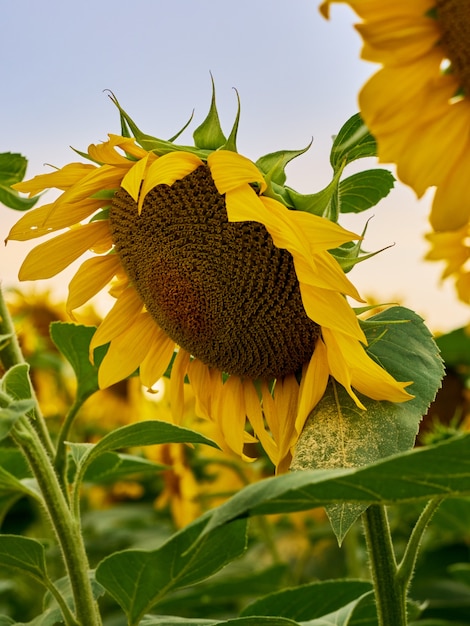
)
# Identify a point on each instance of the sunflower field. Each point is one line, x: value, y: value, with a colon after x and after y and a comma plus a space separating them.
x: 238, y: 437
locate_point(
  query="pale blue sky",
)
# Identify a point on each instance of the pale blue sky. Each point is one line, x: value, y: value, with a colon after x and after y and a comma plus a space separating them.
x: 297, y: 75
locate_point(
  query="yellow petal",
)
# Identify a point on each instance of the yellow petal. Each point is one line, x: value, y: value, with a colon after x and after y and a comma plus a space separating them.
x: 126, y: 352
x: 46, y: 219
x: 106, y: 152
x: 330, y: 310
x: 59, y: 179
x: 286, y: 397
x: 339, y: 363
x: 231, y: 170
x: 167, y: 169
x: 123, y: 314
x: 323, y: 271
x: 160, y: 351
x: 229, y: 411
x: 314, y: 381
x: 317, y: 233
x: 451, y: 207
x: 53, y: 256
x: 93, y: 275
x: 133, y: 179
x: 178, y: 373
x: 255, y: 416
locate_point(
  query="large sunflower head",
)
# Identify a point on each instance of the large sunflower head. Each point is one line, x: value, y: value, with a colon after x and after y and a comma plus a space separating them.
x: 418, y: 104
x: 215, y: 271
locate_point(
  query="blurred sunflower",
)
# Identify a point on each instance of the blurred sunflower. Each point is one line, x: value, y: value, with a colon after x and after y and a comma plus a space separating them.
x: 453, y: 248
x: 216, y: 273
x: 418, y: 104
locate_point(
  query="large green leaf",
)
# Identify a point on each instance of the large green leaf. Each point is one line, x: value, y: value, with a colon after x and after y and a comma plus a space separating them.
x: 364, y: 190
x: 338, y: 434
x: 412, y: 475
x: 73, y: 341
x: 137, y: 579
x: 309, y: 601
x: 111, y: 466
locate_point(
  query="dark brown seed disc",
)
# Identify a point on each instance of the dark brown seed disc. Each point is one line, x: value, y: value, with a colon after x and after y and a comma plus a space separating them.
x: 454, y: 19
x: 220, y: 290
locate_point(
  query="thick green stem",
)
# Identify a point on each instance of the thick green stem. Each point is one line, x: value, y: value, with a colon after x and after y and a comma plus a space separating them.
x: 10, y: 354
x: 390, y: 594
x: 65, y: 526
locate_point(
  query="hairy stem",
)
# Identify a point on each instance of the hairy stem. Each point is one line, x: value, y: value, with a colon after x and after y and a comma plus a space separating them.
x: 67, y: 529
x: 390, y: 594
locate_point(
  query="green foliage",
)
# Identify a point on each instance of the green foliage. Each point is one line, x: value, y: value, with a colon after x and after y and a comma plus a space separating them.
x: 337, y: 434
x: 137, y: 579
x: 12, y: 170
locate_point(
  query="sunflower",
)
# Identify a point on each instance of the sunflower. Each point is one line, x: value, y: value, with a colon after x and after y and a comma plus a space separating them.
x: 453, y: 248
x: 213, y: 271
x: 418, y: 104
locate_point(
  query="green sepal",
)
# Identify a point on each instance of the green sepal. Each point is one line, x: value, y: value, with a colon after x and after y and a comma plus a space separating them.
x: 350, y: 253
x: 273, y: 165
x: 317, y: 203
x: 183, y: 128
x: 231, y: 143
x: 102, y: 215
x: 209, y: 135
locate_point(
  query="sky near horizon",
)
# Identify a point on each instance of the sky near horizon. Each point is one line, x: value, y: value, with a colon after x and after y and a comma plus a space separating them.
x: 297, y: 75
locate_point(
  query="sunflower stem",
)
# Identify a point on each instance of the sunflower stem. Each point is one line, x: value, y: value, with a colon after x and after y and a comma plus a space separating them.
x: 60, y: 459
x: 10, y: 355
x: 67, y: 529
x: 390, y: 593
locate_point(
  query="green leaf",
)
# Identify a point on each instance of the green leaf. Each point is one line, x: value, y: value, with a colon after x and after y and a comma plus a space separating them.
x: 137, y: 579
x: 364, y: 190
x: 24, y: 554
x: 12, y: 168
x: 144, y: 433
x: 209, y: 135
x: 410, y: 476
x: 170, y: 620
x: 455, y: 348
x: 461, y: 572
x: 309, y: 601
x: 10, y: 414
x: 16, y: 382
x: 338, y: 434
x: 352, y: 142
x: 12, y: 199
x: 73, y: 341
x: 111, y: 466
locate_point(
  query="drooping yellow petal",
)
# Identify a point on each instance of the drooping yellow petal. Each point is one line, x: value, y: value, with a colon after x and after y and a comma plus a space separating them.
x: 287, y: 226
x: 123, y: 314
x: 51, y: 257
x: 106, y: 152
x: 313, y: 384
x: 160, y: 351
x: 167, y: 169
x: 451, y: 204
x: 255, y: 416
x: 178, y: 373
x: 330, y: 310
x: 99, y: 179
x: 93, y: 276
x: 286, y: 397
x: 126, y: 351
x: 228, y: 408
x: 47, y: 219
x: 324, y: 272
x: 231, y: 170
x: 63, y: 179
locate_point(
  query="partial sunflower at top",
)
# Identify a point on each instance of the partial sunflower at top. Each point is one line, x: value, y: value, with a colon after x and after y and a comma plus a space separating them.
x: 214, y: 264
x: 418, y: 104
